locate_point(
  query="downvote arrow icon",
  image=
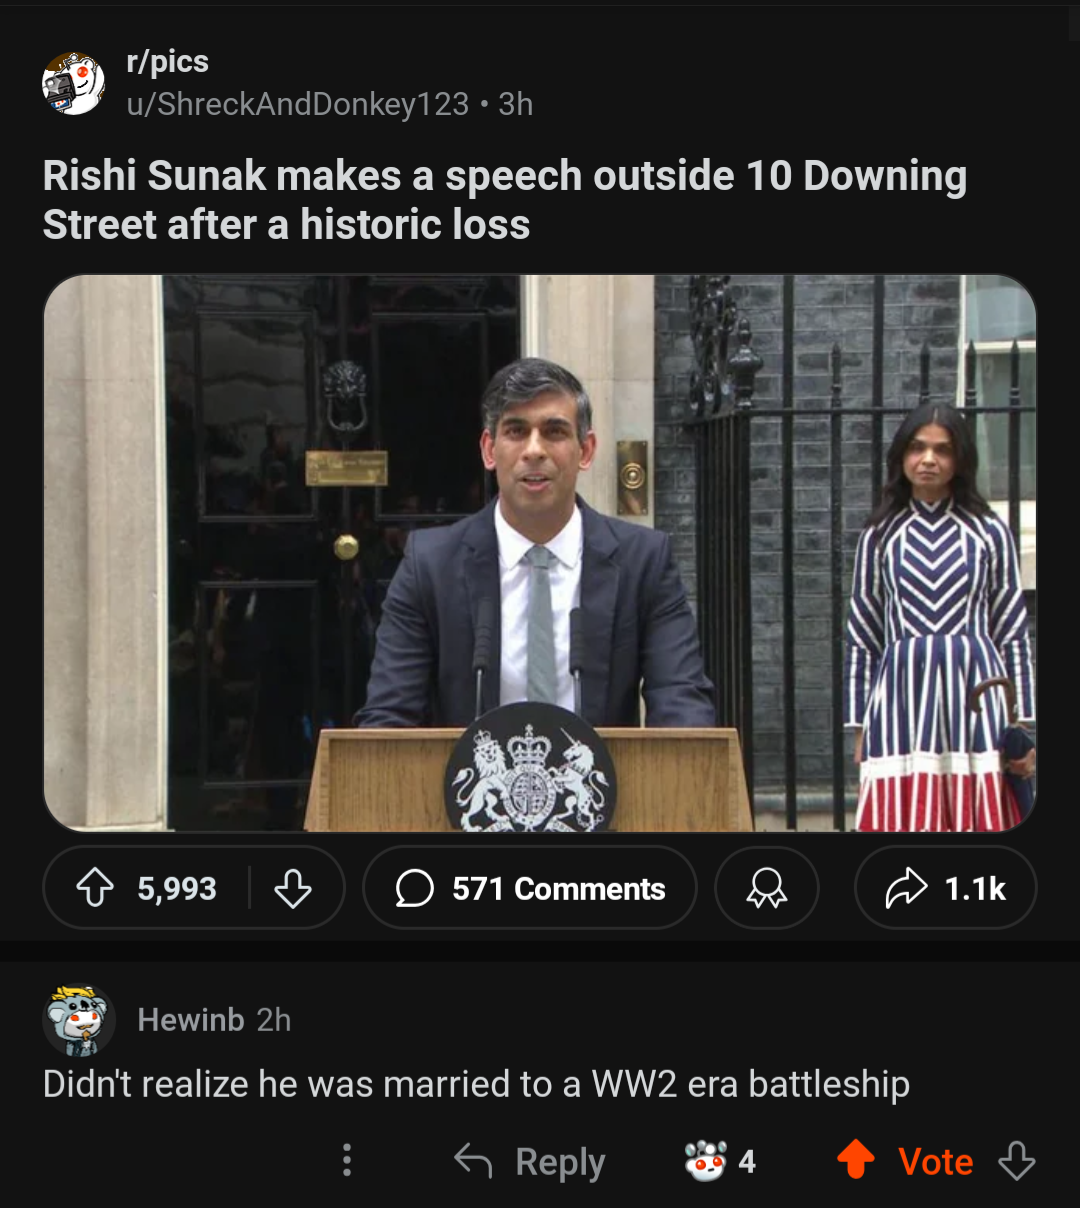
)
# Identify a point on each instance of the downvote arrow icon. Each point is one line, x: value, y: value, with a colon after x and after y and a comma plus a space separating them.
x: 1016, y: 1164
x: 300, y: 890
x: 905, y: 887
x: 856, y: 1156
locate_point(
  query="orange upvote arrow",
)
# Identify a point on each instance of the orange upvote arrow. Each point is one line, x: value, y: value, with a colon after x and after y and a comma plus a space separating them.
x: 856, y: 1156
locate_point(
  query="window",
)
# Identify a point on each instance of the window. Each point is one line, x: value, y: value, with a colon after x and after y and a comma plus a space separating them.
x: 997, y: 311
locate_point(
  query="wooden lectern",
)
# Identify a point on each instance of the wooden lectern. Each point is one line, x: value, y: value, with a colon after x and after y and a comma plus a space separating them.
x: 392, y: 780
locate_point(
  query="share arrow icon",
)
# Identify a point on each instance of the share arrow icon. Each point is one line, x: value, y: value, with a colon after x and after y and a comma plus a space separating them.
x: 905, y: 887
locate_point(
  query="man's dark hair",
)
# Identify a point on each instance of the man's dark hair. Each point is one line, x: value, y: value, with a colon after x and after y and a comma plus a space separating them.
x: 522, y: 381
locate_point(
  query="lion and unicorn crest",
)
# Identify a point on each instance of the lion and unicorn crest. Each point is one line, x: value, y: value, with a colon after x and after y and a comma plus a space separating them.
x: 525, y: 794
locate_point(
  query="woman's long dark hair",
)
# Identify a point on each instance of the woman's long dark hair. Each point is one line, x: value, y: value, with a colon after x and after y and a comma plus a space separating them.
x: 896, y: 494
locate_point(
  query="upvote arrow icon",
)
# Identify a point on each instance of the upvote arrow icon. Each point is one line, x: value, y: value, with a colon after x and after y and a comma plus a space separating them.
x: 95, y: 884
x: 856, y: 1156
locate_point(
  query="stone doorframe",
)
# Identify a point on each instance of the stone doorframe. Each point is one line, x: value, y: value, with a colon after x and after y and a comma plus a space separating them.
x: 105, y: 589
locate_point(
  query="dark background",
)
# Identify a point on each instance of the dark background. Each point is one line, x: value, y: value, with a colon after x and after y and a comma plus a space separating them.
x: 967, y: 1037
x: 846, y: 86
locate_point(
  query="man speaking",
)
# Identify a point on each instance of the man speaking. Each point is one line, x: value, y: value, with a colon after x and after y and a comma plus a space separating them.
x: 536, y: 552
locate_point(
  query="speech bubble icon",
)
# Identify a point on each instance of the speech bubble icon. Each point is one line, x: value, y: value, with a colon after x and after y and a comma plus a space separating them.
x: 419, y: 872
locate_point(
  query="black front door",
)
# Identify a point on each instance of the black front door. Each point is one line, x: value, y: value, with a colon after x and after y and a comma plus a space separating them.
x: 275, y: 587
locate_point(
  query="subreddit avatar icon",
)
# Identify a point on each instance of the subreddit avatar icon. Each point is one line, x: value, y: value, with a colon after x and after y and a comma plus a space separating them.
x: 705, y: 1161
x: 73, y: 83
x: 77, y: 1015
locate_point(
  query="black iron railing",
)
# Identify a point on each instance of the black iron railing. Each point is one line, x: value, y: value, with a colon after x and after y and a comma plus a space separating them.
x: 723, y: 423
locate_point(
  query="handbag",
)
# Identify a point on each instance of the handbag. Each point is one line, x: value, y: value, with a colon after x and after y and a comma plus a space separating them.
x: 1015, y: 743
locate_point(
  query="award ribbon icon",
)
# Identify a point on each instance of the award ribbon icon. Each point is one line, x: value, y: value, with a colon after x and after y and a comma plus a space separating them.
x: 757, y: 894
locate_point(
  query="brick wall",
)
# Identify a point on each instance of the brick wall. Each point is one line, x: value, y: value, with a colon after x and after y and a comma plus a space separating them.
x: 673, y: 460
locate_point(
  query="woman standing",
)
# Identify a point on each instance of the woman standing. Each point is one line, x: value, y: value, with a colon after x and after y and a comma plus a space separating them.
x: 936, y: 607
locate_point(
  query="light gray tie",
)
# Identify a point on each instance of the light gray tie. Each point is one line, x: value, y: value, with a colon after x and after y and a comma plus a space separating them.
x: 540, y: 684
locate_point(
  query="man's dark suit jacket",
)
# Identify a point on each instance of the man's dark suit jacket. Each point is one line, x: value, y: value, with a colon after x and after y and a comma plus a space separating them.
x: 636, y: 621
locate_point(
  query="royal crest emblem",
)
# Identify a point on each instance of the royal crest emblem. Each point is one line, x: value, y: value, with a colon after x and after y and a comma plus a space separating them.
x: 519, y: 786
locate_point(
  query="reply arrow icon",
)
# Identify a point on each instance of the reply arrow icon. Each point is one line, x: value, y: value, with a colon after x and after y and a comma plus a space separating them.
x: 856, y: 1156
x: 473, y: 1157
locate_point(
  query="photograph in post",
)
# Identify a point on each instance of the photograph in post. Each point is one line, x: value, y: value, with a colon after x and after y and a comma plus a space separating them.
x: 551, y: 554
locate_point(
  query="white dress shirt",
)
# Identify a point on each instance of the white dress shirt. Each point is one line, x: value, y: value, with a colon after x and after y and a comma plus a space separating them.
x: 565, y: 576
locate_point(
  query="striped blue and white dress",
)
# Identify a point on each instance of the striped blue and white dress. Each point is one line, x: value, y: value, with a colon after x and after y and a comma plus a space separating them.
x: 936, y: 607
